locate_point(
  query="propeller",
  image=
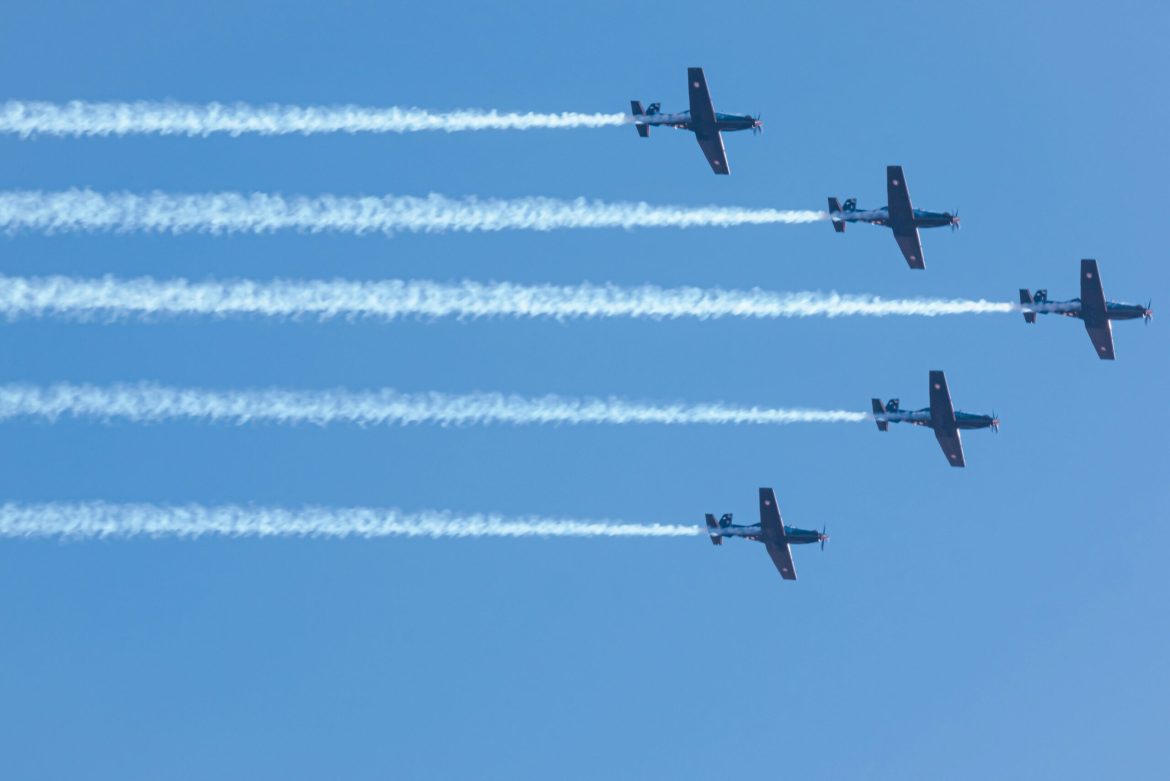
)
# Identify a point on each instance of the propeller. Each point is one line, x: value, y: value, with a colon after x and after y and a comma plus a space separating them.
x: 757, y: 125
x: 995, y: 422
x: 955, y: 225
x: 824, y: 535
x: 1149, y: 313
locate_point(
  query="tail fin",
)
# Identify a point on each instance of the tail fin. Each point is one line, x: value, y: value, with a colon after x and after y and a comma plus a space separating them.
x: 879, y: 416
x: 1026, y: 300
x: 713, y: 530
x: 835, y: 208
x: 642, y: 128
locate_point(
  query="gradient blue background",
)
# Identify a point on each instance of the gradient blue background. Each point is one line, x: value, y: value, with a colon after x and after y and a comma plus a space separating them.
x: 1007, y: 620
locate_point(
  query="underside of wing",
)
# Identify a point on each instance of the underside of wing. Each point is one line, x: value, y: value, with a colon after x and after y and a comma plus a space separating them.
x: 901, y: 212
x: 712, y: 147
x: 1102, y: 336
x: 911, y: 245
x: 771, y: 524
x: 702, y: 110
x: 952, y: 445
x: 782, y: 557
x: 1093, y: 310
x: 942, y: 419
x: 1092, y: 293
x: 942, y: 411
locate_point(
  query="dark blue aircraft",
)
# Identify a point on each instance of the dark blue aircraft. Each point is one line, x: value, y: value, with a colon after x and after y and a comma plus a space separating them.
x: 940, y: 416
x: 1091, y: 307
x: 771, y: 531
x: 898, y: 215
x: 700, y: 120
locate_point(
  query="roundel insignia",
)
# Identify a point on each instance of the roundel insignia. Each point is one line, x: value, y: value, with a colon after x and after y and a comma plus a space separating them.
x: 952, y: 456
x: 937, y: 386
x: 896, y: 182
x: 695, y: 84
x: 767, y: 502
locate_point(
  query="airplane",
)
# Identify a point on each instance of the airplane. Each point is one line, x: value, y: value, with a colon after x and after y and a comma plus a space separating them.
x: 771, y: 531
x: 702, y: 120
x: 1091, y: 307
x: 940, y: 416
x: 898, y: 215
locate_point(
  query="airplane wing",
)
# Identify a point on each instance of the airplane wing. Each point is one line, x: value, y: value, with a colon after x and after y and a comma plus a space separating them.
x: 1093, y: 310
x: 782, y: 557
x: 898, y: 196
x: 911, y: 246
x: 942, y: 419
x: 702, y: 110
x: 902, y: 217
x: 1102, y: 338
x: 712, y: 147
x: 772, y: 528
x: 703, y: 121
x: 952, y: 446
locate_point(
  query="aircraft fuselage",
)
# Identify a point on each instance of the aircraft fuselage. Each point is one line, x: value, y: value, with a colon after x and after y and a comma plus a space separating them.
x: 922, y: 417
x: 1072, y: 308
x: 682, y: 121
x: 793, y: 535
x: 922, y: 217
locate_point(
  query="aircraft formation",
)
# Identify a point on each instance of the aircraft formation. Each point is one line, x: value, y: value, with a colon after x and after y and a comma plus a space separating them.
x: 900, y: 216
x: 700, y: 118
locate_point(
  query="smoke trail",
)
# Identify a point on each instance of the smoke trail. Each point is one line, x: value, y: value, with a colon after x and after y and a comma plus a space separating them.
x: 392, y: 299
x: 149, y: 403
x: 222, y: 213
x: 88, y: 520
x: 83, y: 118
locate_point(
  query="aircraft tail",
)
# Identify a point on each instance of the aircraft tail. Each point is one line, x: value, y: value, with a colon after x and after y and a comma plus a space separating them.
x: 637, y: 110
x: 713, y: 530
x: 1026, y: 300
x: 835, y: 208
x: 878, y: 415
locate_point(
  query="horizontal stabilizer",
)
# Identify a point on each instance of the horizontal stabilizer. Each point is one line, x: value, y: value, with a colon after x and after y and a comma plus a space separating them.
x: 713, y: 530
x: 878, y: 415
x: 834, y: 208
x: 642, y: 128
x: 1026, y: 300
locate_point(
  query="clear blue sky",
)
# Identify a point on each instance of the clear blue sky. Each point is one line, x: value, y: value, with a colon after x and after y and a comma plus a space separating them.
x: 1007, y: 620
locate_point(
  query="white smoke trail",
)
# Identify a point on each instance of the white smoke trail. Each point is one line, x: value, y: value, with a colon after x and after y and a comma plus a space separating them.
x: 149, y: 403
x: 88, y: 520
x: 222, y: 213
x: 391, y: 299
x: 84, y: 118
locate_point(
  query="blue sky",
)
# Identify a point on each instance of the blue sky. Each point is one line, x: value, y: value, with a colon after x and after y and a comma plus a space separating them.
x: 1005, y: 620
